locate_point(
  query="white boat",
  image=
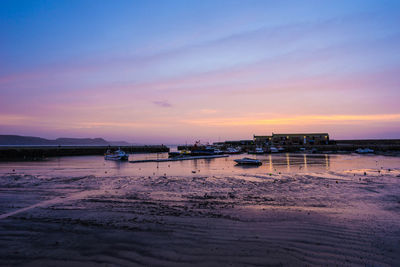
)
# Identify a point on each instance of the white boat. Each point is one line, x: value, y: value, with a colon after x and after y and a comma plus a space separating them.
x: 231, y: 150
x: 364, y: 151
x: 258, y: 150
x: 273, y: 149
x: 218, y: 151
x: 248, y: 161
x: 116, y: 155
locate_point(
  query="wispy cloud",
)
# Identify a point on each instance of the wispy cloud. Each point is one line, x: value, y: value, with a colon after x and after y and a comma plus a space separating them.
x: 163, y: 104
x: 275, y: 39
x: 297, y: 120
x: 208, y: 111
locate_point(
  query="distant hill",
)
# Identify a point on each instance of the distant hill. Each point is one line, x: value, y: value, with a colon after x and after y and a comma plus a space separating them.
x: 12, y: 140
x: 81, y: 141
x: 22, y: 140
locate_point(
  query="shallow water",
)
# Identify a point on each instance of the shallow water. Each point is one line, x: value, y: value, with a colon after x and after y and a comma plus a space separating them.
x: 273, y: 163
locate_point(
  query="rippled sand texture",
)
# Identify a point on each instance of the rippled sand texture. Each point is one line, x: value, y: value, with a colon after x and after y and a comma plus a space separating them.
x: 326, y: 218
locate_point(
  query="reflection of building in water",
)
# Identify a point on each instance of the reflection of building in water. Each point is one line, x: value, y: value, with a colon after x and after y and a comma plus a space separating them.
x: 195, y: 163
x: 327, y: 161
x: 207, y: 163
x: 288, y: 161
x: 293, y: 139
x: 294, y: 162
x: 270, y: 162
x: 305, y: 162
x: 262, y: 139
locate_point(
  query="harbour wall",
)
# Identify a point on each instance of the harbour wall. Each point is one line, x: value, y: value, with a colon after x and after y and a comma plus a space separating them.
x: 40, y: 152
x: 379, y: 145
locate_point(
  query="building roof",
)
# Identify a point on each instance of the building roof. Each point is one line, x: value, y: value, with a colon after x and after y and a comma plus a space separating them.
x: 297, y: 134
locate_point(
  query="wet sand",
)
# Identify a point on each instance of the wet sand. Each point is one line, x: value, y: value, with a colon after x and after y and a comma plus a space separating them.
x: 248, y: 218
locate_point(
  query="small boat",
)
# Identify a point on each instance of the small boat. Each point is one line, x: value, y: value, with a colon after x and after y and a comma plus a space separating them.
x: 258, y: 150
x: 231, y: 150
x: 273, y: 149
x: 181, y: 153
x: 248, y: 161
x: 116, y: 155
x: 218, y: 151
x: 364, y: 151
x: 174, y: 154
x: 203, y: 151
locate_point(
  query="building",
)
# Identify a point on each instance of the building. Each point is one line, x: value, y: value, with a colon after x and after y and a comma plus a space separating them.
x: 292, y: 139
x: 262, y: 139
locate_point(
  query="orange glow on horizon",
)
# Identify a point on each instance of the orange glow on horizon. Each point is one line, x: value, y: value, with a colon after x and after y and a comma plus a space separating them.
x: 296, y: 120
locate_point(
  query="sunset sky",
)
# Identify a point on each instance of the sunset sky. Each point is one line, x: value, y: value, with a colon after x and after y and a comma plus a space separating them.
x: 178, y: 71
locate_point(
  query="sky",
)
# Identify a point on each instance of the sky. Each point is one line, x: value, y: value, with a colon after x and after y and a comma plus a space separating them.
x: 171, y: 72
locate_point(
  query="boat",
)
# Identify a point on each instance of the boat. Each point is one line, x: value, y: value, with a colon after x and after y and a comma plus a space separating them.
x: 273, y: 149
x: 203, y: 151
x: 364, y: 151
x: 174, y: 154
x: 181, y: 153
x: 258, y: 150
x: 218, y: 151
x: 116, y: 155
x: 231, y: 150
x: 248, y: 161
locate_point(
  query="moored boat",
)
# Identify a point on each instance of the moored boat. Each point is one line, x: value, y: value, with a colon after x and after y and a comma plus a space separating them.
x: 248, y: 161
x: 258, y: 150
x: 218, y: 151
x: 203, y: 151
x: 181, y: 153
x: 273, y: 149
x: 364, y: 151
x: 232, y: 150
x: 116, y: 155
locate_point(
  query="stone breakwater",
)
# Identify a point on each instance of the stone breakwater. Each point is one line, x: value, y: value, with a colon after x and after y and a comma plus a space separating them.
x: 39, y: 152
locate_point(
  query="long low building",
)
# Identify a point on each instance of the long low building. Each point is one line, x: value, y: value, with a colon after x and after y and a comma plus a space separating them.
x: 292, y: 139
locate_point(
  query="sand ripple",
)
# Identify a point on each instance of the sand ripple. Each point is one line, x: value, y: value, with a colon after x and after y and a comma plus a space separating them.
x: 327, y: 218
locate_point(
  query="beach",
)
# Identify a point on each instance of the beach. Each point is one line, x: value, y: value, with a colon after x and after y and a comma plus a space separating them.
x: 294, y: 210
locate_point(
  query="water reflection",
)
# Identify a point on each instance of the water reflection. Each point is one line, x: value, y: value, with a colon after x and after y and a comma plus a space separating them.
x: 295, y: 162
x: 288, y: 162
x: 272, y: 163
x: 242, y: 166
x: 305, y: 162
x: 326, y: 161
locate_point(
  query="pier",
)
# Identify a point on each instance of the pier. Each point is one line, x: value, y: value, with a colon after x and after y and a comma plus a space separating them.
x: 179, y: 158
x: 8, y: 153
